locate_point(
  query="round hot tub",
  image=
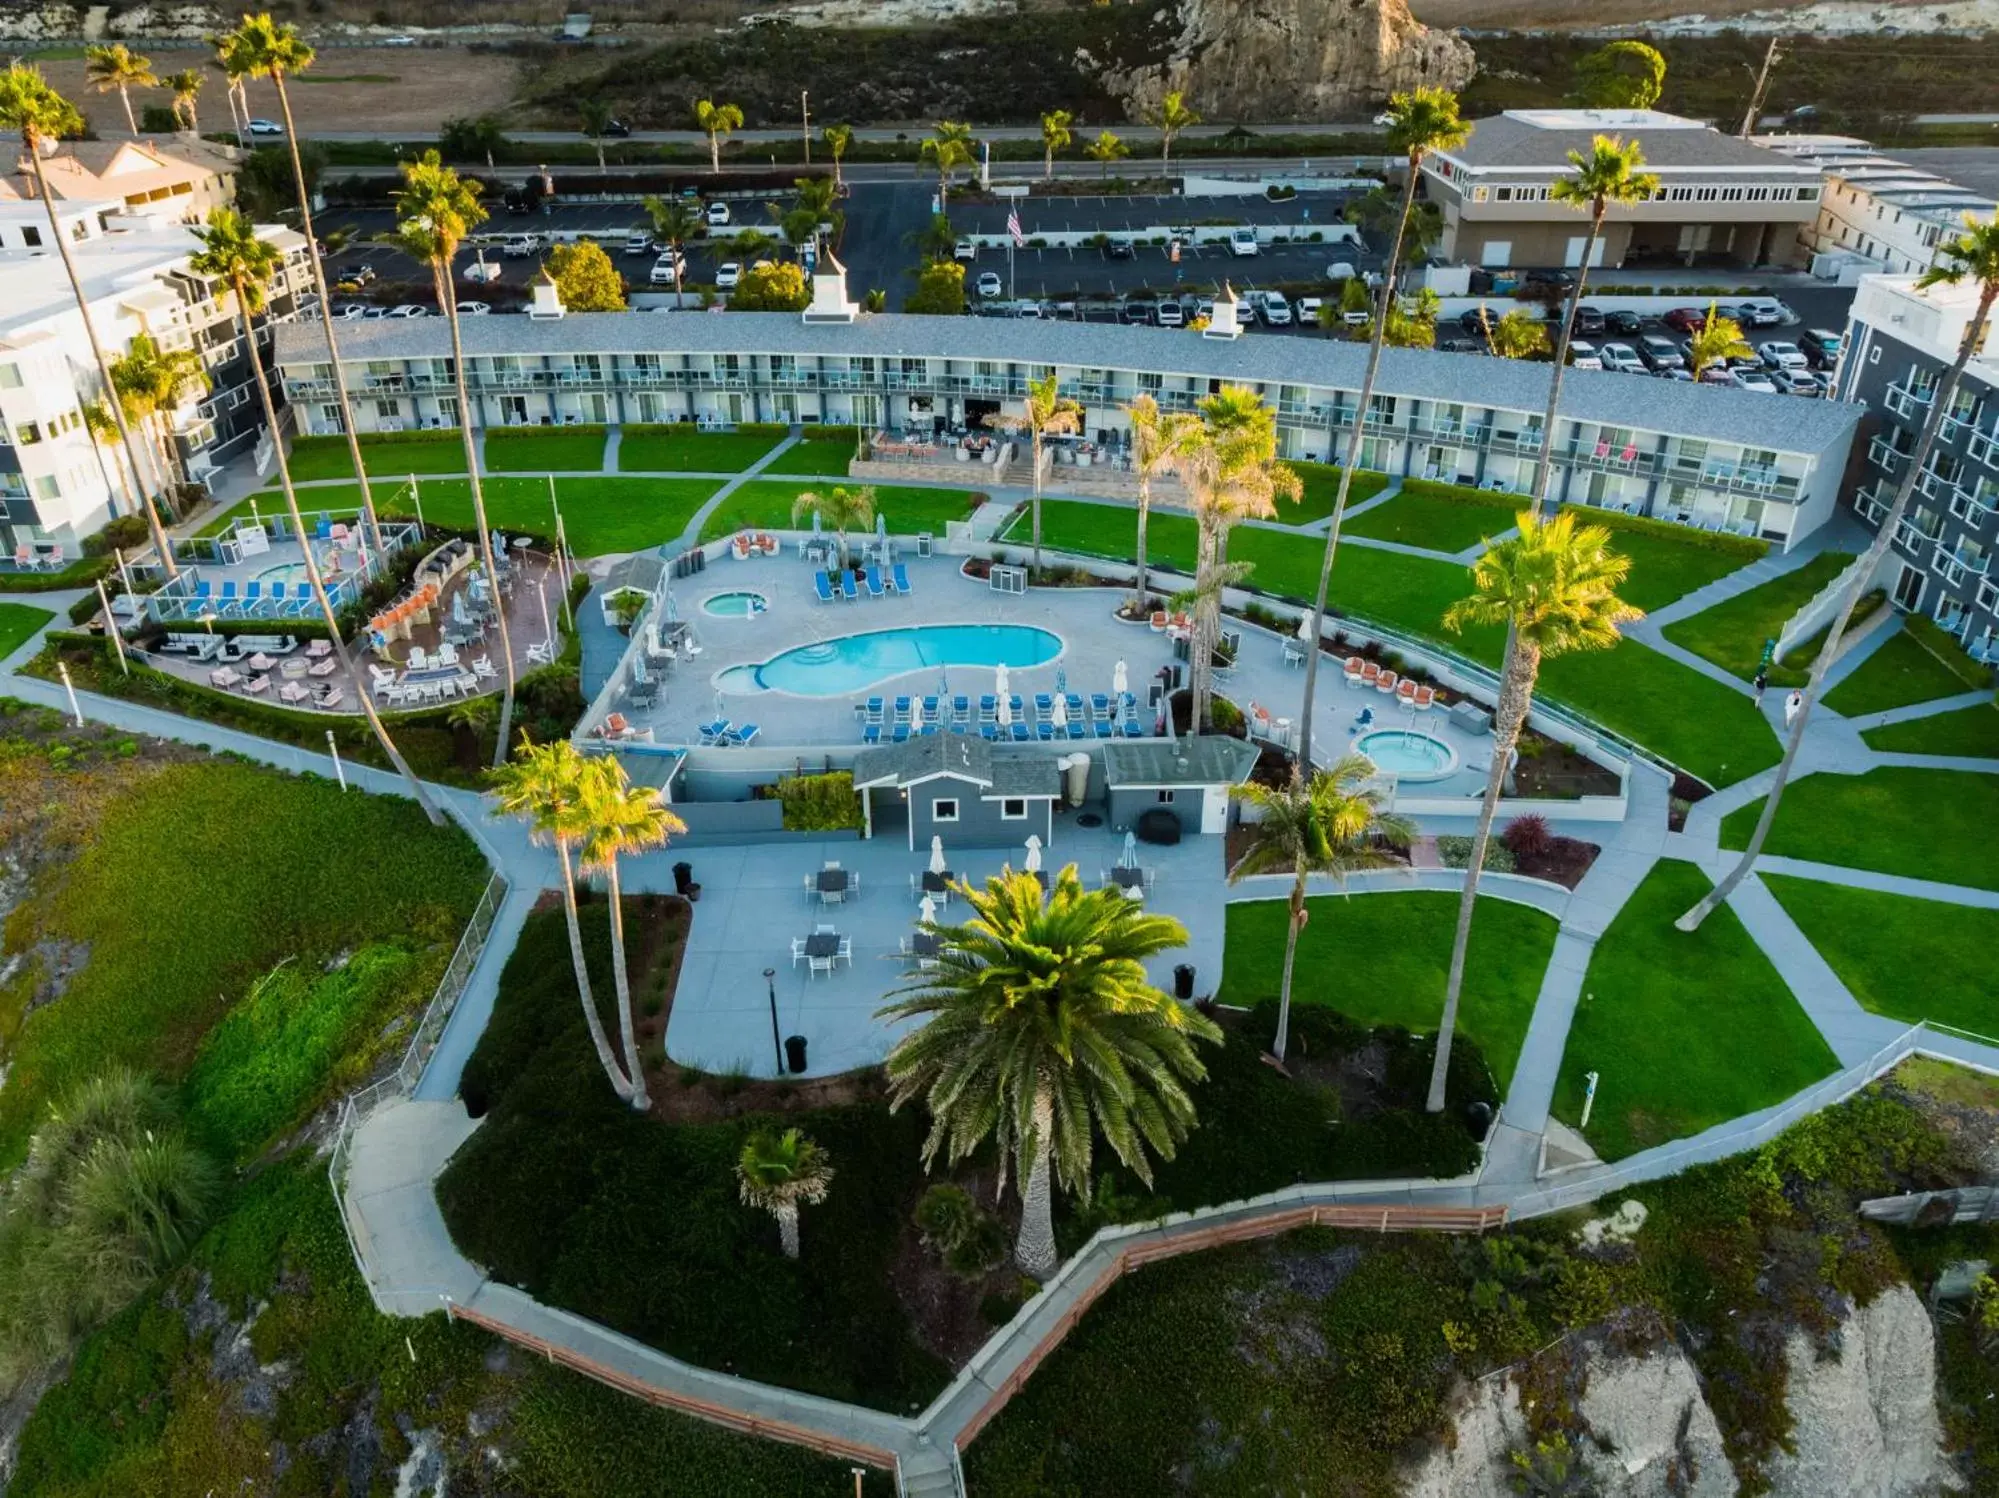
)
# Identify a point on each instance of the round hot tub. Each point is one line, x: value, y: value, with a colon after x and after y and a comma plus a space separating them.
x: 739, y: 604
x: 1407, y: 754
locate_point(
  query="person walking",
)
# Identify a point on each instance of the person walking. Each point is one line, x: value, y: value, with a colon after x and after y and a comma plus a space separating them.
x: 1793, y: 705
x: 1762, y: 681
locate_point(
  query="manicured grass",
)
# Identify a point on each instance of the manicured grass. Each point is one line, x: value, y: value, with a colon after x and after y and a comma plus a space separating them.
x: 1382, y: 959
x: 1970, y: 731
x: 556, y: 450
x: 1440, y: 517
x: 1686, y: 1030
x: 767, y: 505
x: 1907, y: 958
x: 1322, y: 488
x: 823, y: 450
x: 17, y: 622
x: 1921, y: 824
x: 1899, y: 673
x: 1668, y: 561
x: 1732, y: 632
x: 686, y: 449
x: 388, y: 456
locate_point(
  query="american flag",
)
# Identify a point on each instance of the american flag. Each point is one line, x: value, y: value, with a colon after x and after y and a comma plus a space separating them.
x: 1013, y: 226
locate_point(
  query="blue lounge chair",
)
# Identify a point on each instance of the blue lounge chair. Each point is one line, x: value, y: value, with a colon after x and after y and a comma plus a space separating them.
x: 1074, y: 702
x: 933, y: 710
x: 872, y: 734
x: 847, y: 589
x: 1100, y: 705
x: 875, y: 588
x: 202, y: 590
x: 1044, y: 731
x: 1022, y: 733
x: 1043, y: 704
x: 745, y: 735
x: 823, y: 586
x: 1077, y: 731
x: 1133, y: 729
x: 926, y: 730
x: 989, y: 731
x: 989, y: 709
x: 901, y: 577
x: 961, y: 710
x: 324, y: 530
x: 902, y: 709
x: 901, y: 734
x: 872, y: 709
x: 1104, y: 729
x: 1015, y: 705
x: 253, y: 592
x: 277, y: 592
x: 711, y: 733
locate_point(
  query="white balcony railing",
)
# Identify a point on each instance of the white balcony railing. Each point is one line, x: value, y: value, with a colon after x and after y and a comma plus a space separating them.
x: 1884, y: 455
x: 1907, y: 402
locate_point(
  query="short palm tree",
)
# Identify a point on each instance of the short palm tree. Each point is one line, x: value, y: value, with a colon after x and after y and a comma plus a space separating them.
x: 1055, y: 136
x: 674, y: 222
x: 842, y: 508
x: 948, y: 148
x: 1160, y: 442
x: 116, y: 68
x: 1554, y: 586
x: 435, y: 209
x: 717, y: 121
x: 1039, y: 1029
x: 1420, y: 121
x: 104, y: 434
x: 1971, y: 256
x: 781, y: 1172
x: 1335, y: 823
x: 1172, y: 116
x: 1719, y: 338
x: 621, y: 820
x: 1517, y: 335
x: 595, y: 117
x: 1046, y: 412
x: 231, y: 251
x: 838, y: 138
x: 544, y: 785
x: 186, y: 87
x: 41, y: 116
x: 152, y: 382
x: 1105, y: 149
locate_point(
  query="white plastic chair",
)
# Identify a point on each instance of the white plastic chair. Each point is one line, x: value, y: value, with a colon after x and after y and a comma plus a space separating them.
x: 797, y: 950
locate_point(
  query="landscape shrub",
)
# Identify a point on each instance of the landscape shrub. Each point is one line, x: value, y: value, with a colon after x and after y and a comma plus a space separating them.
x: 1526, y: 837
x: 1666, y: 530
x: 820, y: 803
x: 1456, y: 854
x: 119, y: 534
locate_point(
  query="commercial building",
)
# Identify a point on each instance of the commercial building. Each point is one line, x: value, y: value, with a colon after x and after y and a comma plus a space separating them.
x: 1720, y: 200
x: 1877, y: 213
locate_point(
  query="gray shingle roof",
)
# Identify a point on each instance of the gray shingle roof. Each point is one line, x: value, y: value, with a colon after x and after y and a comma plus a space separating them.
x: 1514, y: 140
x: 1789, y: 425
x: 1209, y: 759
x: 1001, y: 771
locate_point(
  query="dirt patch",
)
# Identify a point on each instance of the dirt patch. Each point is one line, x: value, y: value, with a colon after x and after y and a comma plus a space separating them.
x: 951, y: 1315
x: 1564, y: 861
x: 1962, y: 1104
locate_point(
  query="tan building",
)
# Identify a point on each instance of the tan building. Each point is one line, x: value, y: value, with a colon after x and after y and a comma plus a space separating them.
x: 1720, y: 200
x: 173, y: 178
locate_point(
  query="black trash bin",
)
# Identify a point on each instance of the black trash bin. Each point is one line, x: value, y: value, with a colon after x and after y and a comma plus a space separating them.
x: 683, y: 877
x: 794, y: 1052
x: 1183, y: 981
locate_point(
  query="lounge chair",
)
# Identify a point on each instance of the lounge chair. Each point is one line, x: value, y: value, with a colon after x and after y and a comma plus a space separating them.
x: 871, y: 734
x: 847, y: 589
x: 711, y: 733
x: 900, y: 735
x: 822, y: 586
x: 1104, y: 728
x: 1385, y: 683
x: 872, y: 710
x: 1074, y: 702
x: 989, y: 731
x: 743, y: 736
x: 1100, y: 705
x: 989, y: 708
x: 1076, y: 730
x: 1133, y: 729
x: 1022, y: 733
x: 961, y: 710
x: 1016, y: 707
x: 902, y: 709
x: 1044, y: 704
x: 1044, y: 731
x: 875, y: 587
x: 933, y: 710
x: 900, y: 575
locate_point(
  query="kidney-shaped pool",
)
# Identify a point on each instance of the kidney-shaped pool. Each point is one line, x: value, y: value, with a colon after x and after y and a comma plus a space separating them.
x: 853, y: 663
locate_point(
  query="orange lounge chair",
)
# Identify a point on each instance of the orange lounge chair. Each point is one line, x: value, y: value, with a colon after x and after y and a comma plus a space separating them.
x: 1370, y: 673
x: 1159, y: 621
x: 1405, y: 691
x: 1386, y: 682
x: 1425, y: 699
x: 1355, y: 665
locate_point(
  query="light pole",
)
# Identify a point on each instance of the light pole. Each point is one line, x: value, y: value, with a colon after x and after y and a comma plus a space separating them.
x: 805, y: 124
x: 770, y: 983
x: 62, y: 670
x: 339, y: 771
x: 111, y: 628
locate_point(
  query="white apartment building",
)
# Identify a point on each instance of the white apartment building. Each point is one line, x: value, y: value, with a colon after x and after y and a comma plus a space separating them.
x: 1875, y: 209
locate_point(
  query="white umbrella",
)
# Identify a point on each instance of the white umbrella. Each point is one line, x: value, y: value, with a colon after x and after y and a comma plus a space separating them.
x: 937, y: 864
x: 1000, y: 681
x: 1058, y: 714
x: 1120, y: 678
x: 1304, y: 626
x: 927, y: 911
x: 1033, y: 863
x: 1129, y: 858
x: 1005, y: 712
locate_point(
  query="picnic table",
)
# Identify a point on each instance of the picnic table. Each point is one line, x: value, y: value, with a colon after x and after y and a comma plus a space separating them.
x: 833, y: 885
x: 823, y: 944
x: 935, y: 883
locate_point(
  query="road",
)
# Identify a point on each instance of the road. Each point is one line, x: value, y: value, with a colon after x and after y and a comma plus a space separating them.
x: 1132, y: 134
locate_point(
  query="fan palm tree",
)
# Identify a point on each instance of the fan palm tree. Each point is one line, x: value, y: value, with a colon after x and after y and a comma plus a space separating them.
x: 235, y: 69
x: 104, y: 434
x: 1554, y: 587
x: 1040, y: 1028
x: 781, y: 1172
x: 261, y: 48
x: 544, y: 785
x: 152, y: 382
x: 41, y: 116
x: 186, y: 87
x: 674, y: 222
x: 621, y: 820
x: 1172, y: 117
x: 718, y: 121
x: 838, y: 138
x: 435, y: 209
x: 948, y: 148
x: 116, y: 68
x: 842, y: 508
x: 1719, y: 338
x: 1046, y: 412
x: 1055, y: 136
x: 1334, y: 823
x: 1971, y: 256
x: 232, y: 252
x: 1160, y: 442
x: 1420, y: 121
x: 1105, y: 149
x: 595, y: 116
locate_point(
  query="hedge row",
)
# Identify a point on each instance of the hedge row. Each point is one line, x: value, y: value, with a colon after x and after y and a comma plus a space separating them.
x: 1685, y: 535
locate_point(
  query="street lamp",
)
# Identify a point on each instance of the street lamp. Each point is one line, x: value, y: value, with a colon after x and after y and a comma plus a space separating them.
x: 770, y: 983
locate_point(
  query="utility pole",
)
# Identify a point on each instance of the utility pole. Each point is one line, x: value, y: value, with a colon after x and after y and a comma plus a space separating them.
x: 805, y: 123
x: 1755, y: 110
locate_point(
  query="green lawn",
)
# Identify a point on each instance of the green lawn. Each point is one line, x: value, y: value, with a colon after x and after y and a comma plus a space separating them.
x: 1322, y: 487
x: 1922, y: 824
x: 1731, y: 633
x: 684, y: 448
x: 824, y: 450
x: 389, y: 455
x: 1686, y: 1030
x: 1907, y: 958
x: 1899, y: 673
x: 545, y: 450
x: 1382, y: 959
x: 1667, y: 561
x: 1441, y: 517
x: 17, y: 622
x: 767, y: 504
x: 1969, y: 731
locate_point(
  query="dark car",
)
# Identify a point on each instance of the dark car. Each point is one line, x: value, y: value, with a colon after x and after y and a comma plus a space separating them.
x: 1659, y: 355
x: 1590, y: 320
x: 1119, y: 249
x: 1473, y: 322
x: 617, y: 127
x: 1137, y: 310
x: 1628, y: 323
x: 1540, y: 283
x: 1821, y: 348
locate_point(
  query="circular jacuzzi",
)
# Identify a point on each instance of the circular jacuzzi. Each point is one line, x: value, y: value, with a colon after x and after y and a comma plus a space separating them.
x: 739, y: 604
x: 1408, y: 754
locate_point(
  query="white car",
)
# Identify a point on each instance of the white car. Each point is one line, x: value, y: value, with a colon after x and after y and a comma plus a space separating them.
x: 638, y: 244
x: 1782, y: 355
x: 1242, y: 242
x: 1172, y: 315
x: 409, y: 309
x: 1584, y: 355
x: 472, y: 309
x: 728, y: 274
x: 1276, y: 310
x: 718, y: 215
x: 352, y: 312
x: 1340, y: 270
x: 1621, y: 357
x: 1752, y: 379
x: 265, y: 127
x: 989, y: 284
x: 667, y: 270
x: 398, y: 41
x: 1308, y: 310
x: 965, y: 249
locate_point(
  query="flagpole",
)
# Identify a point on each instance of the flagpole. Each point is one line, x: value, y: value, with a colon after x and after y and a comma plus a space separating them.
x: 1009, y: 267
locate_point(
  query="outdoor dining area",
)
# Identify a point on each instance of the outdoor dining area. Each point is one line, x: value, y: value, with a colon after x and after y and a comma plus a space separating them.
x: 304, y: 679
x: 433, y: 643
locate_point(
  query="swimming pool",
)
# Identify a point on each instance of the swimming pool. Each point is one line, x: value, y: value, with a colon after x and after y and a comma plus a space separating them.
x: 1408, y: 755
x: 288, y: 572
x: 740, y: 604
x: 852, y: 663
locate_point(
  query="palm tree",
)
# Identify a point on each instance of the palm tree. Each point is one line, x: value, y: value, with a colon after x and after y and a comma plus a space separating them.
x: 1105, y: 149
x: 544, y: 785
x: 42, y: 116
x: 232, y: 252
x: 1719, y: 338
x: 1420, y: 121
x: 1971, y: 256
x: 595, y: 116
x: 104, y: 434
x: 621, y: 820
x: 260, y: 48
x: 1039, y: 1028
x: 435, y: 210
x: 948, y: 148
x: 1334, y: 823
x: 843, y: 509
x: 718, y: 120
x: 1517, y: 335
x: 1045, y: 412
x: 838, y: 138
x: 152, y: 382
x: 186, y: 86
x: 1172, y: 117
x: 1160, y: 442
x: 1055, y: 136
x: 674, y: 222
x: 1554, y: 587
x: 781, y: 1172
x: 117, y: 68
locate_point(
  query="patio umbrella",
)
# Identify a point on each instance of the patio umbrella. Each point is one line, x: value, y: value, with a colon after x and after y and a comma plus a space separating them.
x: 1033, y: 863
x: 937, y: 863
x: 1120, y: 678
x: 1005, y: 713
x: 1061, y: 679
x: 927, y: 911
x: 1304, y: 626
x: 1058, y: 712
x: 1128, y: 859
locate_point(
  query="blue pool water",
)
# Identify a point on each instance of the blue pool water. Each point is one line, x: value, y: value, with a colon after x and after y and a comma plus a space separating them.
x: 853, y: 663
x: 288, y: 572
x: 1411, y: 755
x: 737, y: 605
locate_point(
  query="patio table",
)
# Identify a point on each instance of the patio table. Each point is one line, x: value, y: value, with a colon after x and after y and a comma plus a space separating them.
x: 823, y: 944
x: 292, y: 669
x: 926, y: 944
x: 1128, y: 878
x: 935, y: 883
x: 834, y: 883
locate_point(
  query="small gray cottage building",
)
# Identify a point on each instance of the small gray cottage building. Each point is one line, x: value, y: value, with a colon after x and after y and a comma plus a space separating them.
x: 1189, y: 777
x: 962, y: 789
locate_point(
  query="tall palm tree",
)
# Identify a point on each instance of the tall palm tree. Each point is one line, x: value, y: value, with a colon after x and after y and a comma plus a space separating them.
x: 1718, y: 338
x: 117, y: 478
x: 1172, y: 116
x: 152, y: 382
x: 1971, y: 256
x: 1055, y: 136
x: 838, y: 139
x: 235, y: 69
x: 116, y: 68
x: 674, y: 222
x: 842, y: 508
x: 1046, y: 412
x: 780, y: 1172
x: 718, y: 120
x: 595, y: 116
x: 261, y: 48
x: 186, y: 87
x: 1105, y: 149
x: 621, y: 820
x: 1160, y: 442
x: 232, y: 252
x: 1554, y: 587
x: 1335, y: 823
x: 435, y: 209
x: 544, y: 785
x: 948, y: 148
x: 1039, y: 1028
x: 1420, y: 121
x: 41, y: 116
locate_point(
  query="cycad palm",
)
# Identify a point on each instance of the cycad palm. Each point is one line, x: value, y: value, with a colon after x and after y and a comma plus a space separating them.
x: 1105, y: 149
x: 231, y: 251
x: 1554, y: 586
x: 1161, y: 441
x: 1420, y: 121
x: 779, y: 1173
x: 948, y: 148
x: 116, y: 68
x: 186, y: 88
x: 1041, y: 1028
x: 842, y: 508
x: 1971, y: 256
x: 1045, y: 413
x: 544, y: 786
x: 1333, y: 824
x: 1055, y: 136
x: 674, y: 222
x: 435, y: 209
x: 717, y: 120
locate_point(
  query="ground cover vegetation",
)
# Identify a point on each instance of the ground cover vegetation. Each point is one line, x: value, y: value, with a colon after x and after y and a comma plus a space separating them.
x: 578, y: 449
x: 389, y: 455
x: 18, y: 623
x: 767, y: 504
x: 1901, y: 671
x: 820, y: 450
x: 1732, y: 633
x: 1438, y: 517
x: 1969, y: 731
x: 682, y: 447
x: 1886, y: 821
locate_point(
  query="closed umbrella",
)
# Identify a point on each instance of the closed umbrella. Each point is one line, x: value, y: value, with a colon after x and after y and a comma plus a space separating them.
x: 1120, y: 678
x: 1129, y: 858
x: 927, y: 911
x: 1033, y: 864
x: 1001, y: 681
x: 1058, y: 713
x: 1005, y: 713
x: 937, y: 864
x: 1304, y: 626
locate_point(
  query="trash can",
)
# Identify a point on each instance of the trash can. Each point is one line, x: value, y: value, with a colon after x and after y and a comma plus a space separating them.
x: 683, y: 877
x: 1183, y: 981
x: 794, y: 1052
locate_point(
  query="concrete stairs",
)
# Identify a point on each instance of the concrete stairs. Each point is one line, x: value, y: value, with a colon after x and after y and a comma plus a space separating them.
x: 930, y: 1474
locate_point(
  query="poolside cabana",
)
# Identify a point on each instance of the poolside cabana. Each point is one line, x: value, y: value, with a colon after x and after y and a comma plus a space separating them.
x: 1190, y: 778
x: 963, y: 789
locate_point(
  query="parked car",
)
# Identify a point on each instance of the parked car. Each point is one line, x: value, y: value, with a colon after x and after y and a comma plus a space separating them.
x: 1821, y: 348
x: 1473, y: 321
x: 1584, y: 355
x: 1628, y: 323
x: 409, y: 309
x: 638, y: 244
x: 1796, y: 381
x: 352, y: 312
x: 618, y: 128
x: 1276, y: 310
x: 718, y: 215
x: 1685, y: 319
x: 1779, y: 355
x: 1658, y: 353
x: 1340, y: 270
x: 1137, y: 310
x: 1243, y: 242
x: 1752, y: 379
x: 989, y: 283
x: 1171, y: 315
x: 1589, y: 320
x: 472, y: 309
x: 520, y: 246
x: 374, y: 314
x: 668, y: 269
x: 1119, y: 248
x: 265, y: 127
x: 1308, y: 310
x: 1767, y: 314
x: 728, y: 275
x: 965, y: 249
x: 1204, y: 306
x: 1621, y: 357
x: 1546, y: 284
